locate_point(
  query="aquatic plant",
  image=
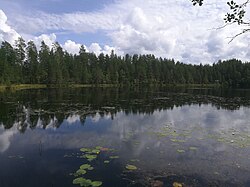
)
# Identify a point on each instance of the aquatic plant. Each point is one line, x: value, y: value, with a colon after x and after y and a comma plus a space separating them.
x: 180, y: 151
x: 131, y: 167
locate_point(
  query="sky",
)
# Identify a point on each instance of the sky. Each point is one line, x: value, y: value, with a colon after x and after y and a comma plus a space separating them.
x: 166, y: 28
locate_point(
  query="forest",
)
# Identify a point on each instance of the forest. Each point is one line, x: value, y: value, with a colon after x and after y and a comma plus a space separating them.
x: 23, y: 63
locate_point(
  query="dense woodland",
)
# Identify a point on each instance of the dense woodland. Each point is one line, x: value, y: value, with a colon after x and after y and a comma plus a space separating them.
x: 25, y: 64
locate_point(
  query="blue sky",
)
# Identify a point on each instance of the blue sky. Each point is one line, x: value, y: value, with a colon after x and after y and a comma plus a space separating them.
x: 171, y: 29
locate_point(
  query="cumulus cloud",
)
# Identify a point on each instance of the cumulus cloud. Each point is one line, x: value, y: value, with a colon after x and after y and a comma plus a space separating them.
x: 49, y: 39
x: 171, y: 29
x: 72, y: 47
x: 97, y: 49
x: 6, y: 32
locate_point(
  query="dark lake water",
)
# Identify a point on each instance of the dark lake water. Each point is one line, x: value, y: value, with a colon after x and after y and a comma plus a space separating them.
x: 131, y: 137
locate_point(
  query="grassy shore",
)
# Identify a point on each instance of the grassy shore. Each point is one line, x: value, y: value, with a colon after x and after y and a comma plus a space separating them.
x: 16, y: 87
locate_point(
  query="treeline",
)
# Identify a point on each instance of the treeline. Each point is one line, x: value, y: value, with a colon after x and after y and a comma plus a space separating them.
x: 25, y: 64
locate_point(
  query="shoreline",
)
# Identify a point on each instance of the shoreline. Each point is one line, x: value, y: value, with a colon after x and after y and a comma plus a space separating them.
x: 16, y: 87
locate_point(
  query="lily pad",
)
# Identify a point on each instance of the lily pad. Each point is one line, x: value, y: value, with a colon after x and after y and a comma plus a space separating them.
x: 134, y: 160
x: 82, y: 182
x: 85, y: 166
x: 114, y: 157
x: 90, y: 157
x: 95, y: 151
x: 180, y: 151
x: 96, y: 183
x: 176, y: 184
x: 106, y: 161
x: 85, y: 149
x: 131, y: 167
x: 80, y: 172
x: 193, y: 148
x: 98, y: 147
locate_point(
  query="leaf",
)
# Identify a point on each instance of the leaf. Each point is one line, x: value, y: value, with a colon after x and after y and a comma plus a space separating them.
x: 176, y: 184
x: 96, y: 183
x: 131, y: 167
x: 114, y: 157
x: 82, y: 182
x: 85, y: 166
x: 80, y: 172
x: 106, y: 161
x: 180, y: 151
x: 85, y: 149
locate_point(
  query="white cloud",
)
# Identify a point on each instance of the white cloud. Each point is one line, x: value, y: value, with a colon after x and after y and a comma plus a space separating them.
x: 49, y: 39
x: 172, y: 29
x: 6, y: 32
x: 97, y: 49
x: 71, y: 47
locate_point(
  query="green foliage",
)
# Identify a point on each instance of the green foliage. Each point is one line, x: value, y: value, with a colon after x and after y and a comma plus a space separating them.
x: 56, y: 66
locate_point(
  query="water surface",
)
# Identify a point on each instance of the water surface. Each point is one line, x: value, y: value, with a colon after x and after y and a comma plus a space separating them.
x: 197, y: 137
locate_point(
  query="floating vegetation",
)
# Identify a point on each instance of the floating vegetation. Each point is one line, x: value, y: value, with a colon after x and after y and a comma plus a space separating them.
x: 176, y: 184
x: 85, y: 166
x: 179, y: 141
x: 90, y: 157
x: 180, y: 151
x: 80, y: 172
x: 96, y: 183
x: 86, y: 182
x: 193, y: 148
x: 131, y: 167
x: 114, y: 157
x: 96, y: 151
x: 85, y: 150
x: 89, y: 154
x: 134, y: 160
x: 16, y: 157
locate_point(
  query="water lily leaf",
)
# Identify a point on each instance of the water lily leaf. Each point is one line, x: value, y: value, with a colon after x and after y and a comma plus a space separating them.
x: 90, y: 157
x: 80, y: 172
x: 77, y: 180
x: 114, y: 157
x: 85, y: 149
x: 82, y: 182
x: 193, y: 148
x: 90, y: 168
x: 85, y: 166
x: 131, y: 167
x: 176, y: 184
x: 96, y: 183
x: 95, y: 151
x: 134, y: 160
x: 106, y: 161
x: 180, y: 151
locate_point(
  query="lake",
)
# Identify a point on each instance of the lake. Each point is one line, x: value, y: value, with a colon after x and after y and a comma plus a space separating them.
x: 115, y: 137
